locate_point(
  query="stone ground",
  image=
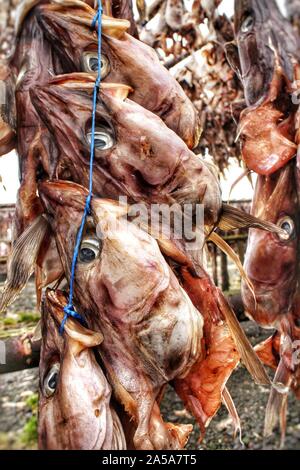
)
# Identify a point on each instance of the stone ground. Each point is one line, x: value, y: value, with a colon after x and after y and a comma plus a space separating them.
x: 18, y: 400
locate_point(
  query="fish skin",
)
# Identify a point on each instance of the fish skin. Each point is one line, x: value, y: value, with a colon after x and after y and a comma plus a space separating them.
x: 152, y: 332
x: 151, y: 165
x: 269, y: 31
x: 130, y: 62
x: 32, y: 62
x: 35, y: 61
x: 271, y: 263
x: 268, y: 49
x: 79, y: 414
x: 269, y: 58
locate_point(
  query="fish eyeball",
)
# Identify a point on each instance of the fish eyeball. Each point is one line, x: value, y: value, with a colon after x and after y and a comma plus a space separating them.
x: 90, y: 63
x: 51, y: 380
x: 104, y: 139
x: 288, y: 226
x: 247, y: 24
x: 89, y: 250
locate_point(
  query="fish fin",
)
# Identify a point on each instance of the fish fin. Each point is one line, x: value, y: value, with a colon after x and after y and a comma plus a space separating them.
x: 118, y: 439
x: 22, y: 259
x: 229, y: 403
x: 277, y: 403
x: 48, y: 269
x: 246, y: 351
x: 233, y: 218
x: 283, y: 416
x: 38, y: 286
x: 37, y: 332
x: 197, y: 411
x: 217, y: 240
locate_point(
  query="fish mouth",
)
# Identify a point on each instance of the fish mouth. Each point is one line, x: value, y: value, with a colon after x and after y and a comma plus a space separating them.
x: 56, y: 296
x: 56, y: 301
x: 82, y: 81
x: 78, y: 12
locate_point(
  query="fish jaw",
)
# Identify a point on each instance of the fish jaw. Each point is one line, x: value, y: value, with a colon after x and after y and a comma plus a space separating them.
x: 267, y: 148
x: 59, y: 193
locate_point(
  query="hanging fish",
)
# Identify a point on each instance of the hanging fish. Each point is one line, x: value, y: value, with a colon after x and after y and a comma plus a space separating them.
x: 124, y: 59
x: 32, y: 62
x: 75, y: 410
x: 149, y: 164
x: 272, y: 265
x: 268, y: 51
x: 125, y: 289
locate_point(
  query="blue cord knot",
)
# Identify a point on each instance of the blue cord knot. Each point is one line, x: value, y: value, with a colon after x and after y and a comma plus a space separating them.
x: 69, y: 309
x: 70, y: 312
x: 99, y: 13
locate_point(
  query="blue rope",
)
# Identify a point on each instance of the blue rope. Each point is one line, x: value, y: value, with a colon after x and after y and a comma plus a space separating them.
x: 69, y: 310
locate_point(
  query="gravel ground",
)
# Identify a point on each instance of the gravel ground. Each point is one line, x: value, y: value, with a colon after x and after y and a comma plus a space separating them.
x: 18, y: 395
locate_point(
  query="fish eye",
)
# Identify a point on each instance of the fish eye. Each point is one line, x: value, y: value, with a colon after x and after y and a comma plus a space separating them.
x: 51, y: 380
x: 104, y: 139
x: 90, y: 63
x: 89, y: 250
x: 288, y: 226
x: 247, y: 24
